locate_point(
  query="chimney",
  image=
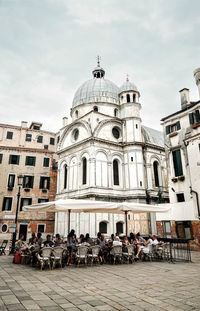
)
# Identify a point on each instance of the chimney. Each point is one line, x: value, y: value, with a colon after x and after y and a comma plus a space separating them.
x: 185, y: 97
x: 65, y: 121
x: 24, y: 124
x: 197, y: 78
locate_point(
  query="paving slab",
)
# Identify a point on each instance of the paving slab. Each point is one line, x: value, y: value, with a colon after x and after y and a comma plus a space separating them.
x: 150, y: 286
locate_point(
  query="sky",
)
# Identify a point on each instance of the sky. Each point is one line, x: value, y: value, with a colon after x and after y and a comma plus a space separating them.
x: 48, y: 48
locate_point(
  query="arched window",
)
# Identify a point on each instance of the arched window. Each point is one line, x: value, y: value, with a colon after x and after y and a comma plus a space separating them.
x: 119, y: 227
x: 65, y: 176
x: 155, y: 171
x: 128, y: 98
x: 84, y: 163
x: 116, y: 172
x: 76, y: 113
x: 116, y: 112
x: 103, y: 227
x: 95, y: 108
x: 134, y: 97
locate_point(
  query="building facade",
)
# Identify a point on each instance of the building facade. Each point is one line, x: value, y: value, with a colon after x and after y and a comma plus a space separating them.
x: 31, y: 152
x: 182, y: 141
x: 106, y: 153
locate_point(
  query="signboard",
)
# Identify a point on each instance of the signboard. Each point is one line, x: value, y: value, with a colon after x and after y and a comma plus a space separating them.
x: 12, y: 228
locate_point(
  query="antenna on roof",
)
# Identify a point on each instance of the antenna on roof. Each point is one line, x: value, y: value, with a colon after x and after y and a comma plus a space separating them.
x: 127, y: 77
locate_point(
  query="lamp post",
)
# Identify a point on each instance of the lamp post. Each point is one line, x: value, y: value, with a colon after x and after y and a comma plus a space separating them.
x: 20, y: 182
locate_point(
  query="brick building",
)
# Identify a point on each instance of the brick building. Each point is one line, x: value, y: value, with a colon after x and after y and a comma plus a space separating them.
x: 28, y: 151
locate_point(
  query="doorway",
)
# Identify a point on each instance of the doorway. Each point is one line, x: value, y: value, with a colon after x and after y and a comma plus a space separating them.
x: 23, y: 230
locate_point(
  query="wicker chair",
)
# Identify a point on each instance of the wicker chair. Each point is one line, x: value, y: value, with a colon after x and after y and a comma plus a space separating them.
x: 116, y: 253
x: 148, y: 255
x: 82, y: 254
x: 129, y: 255
x: 95, y: 254
x: 45, y: 257
x: 57, y: 256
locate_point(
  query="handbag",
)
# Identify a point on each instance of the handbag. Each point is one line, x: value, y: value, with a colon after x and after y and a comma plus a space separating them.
x: 17, y: 257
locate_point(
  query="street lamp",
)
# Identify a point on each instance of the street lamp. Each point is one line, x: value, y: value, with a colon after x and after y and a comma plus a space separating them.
x: 20, y: 182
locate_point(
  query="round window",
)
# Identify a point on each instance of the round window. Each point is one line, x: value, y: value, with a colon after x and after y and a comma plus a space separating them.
x: 4, y: 228
x: 76, y: 134
x: 116, y: 132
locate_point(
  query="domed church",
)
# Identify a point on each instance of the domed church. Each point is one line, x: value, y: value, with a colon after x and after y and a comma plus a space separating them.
x: 106, y: 154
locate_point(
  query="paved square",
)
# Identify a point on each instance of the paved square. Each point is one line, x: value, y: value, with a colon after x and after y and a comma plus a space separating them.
x: 150, y: 286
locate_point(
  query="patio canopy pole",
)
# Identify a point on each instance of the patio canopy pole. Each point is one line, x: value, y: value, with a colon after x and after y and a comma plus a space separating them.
x: 69, y: 215
x: 126, y: 222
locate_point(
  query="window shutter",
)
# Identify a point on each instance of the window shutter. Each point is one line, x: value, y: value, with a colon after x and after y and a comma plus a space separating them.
x: 178, y: 125
x: 167, y: 129
x: 178, y: 170
x: 32, y: 180
x: 191, y: 118
x: 197, y: 115
x: 41, y: 182
x: 48, y: 182
x: 24, y: 182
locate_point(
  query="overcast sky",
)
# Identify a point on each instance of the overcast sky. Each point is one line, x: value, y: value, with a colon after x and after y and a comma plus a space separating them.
x: 48, y: 48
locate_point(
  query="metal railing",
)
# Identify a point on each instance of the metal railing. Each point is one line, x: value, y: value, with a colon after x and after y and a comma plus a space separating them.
x: 176, y: 250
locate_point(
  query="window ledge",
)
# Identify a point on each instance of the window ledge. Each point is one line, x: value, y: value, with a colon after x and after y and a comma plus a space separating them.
x: 195, y: 125
x: 173, y: 134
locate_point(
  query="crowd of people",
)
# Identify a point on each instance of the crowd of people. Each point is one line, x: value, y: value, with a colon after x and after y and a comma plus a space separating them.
x: 141, y: 245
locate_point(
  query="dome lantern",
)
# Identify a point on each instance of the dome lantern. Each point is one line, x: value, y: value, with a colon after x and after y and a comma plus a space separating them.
x: 98, y: 71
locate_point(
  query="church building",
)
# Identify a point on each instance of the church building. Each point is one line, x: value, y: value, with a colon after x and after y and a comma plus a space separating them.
x: 106, y: 154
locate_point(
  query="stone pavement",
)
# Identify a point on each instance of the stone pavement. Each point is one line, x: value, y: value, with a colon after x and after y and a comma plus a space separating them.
x: 151, y: 286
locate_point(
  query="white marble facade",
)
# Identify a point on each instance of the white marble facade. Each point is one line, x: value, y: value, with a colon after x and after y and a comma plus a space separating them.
x: 106, y: 154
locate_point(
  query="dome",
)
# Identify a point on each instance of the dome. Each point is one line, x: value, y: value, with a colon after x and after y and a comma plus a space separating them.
x: 128, y: 86
x: 96, y: 90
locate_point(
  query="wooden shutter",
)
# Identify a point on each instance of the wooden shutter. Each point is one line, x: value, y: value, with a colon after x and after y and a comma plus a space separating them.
x: 48, y: 182
x: 178, y: 125
x: 167, y: 128
x: 191, y: 118
x: 178, y: 169
x: 197, y: 115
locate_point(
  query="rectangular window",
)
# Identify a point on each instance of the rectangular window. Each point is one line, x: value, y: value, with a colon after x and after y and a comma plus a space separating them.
x: 46, y: 162
x: 11, y: 180
x: 131, y: 159
x: 180, y: 197
x: 194, y: 117
x: 46, y: 147
x: 1, y: 157
x: 36, y: 127
x: 30, y: 161
x: 173, y: 127
x: 28, y: 181
x: 14, y: 159
x: 9, y: 135
x: 44, y: 182
x: 40, y: 228
x: 42, y: 200
x: 167, y: 229
x: 28, y: 137
x: 7, y: 204
x: 39, y: 139
x: 52, y: 141
x: 184, y: 230
x: 58, y: 139
x: 25, y: 202
x: 178, y: 170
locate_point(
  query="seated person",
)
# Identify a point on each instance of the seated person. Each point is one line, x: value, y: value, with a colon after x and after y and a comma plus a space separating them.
x: 155, y: 241
x: 21, y: 245
x: 147, y: 243
x: 84, y: 242
x: 48, y: 241
x: 88, y: 239
x: 58, y: 240
x: 124, y: 244
x: 32, y: 237
x: 81, y: 238
x: 39, y: 238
